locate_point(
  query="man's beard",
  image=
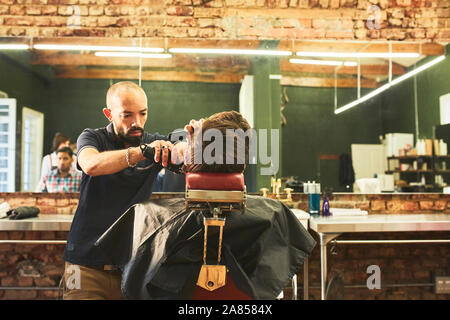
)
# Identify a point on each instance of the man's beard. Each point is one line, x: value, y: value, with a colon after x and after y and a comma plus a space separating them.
x: 134, y: 141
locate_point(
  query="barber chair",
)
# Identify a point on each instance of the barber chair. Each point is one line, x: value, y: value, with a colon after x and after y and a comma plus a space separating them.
x: 216, y: 194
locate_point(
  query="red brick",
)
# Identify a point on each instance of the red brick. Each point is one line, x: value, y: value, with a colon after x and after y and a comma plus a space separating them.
x: 9, y: 281
x: 65, y: 201
x: 49, y: 10
x: 377, y: 205
x: 426, y: 205
x: 16, y: 235
x: 17, y: 10
x: 25, y: 281
x: 180, y: 11
x: 403, y: 3
x: 48, y: 294
x: 15, y: 202
x: 44, y: 282
x: 440, y: 205
x: 309, y: 34
x: 20, y: 295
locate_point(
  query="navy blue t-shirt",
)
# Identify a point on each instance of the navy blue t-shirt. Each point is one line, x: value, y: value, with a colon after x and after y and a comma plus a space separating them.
x: 105, y: 198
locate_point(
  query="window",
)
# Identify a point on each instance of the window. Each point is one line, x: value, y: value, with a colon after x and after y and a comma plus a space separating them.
x: 7, y: 144
x: 32, y: 145
x: 445, y: 108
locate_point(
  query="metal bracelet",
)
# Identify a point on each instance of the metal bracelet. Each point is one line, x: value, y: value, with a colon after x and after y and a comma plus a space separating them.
x: 128, y: 159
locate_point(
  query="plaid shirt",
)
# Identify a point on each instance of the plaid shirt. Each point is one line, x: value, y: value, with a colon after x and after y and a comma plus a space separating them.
x: 54, y: 183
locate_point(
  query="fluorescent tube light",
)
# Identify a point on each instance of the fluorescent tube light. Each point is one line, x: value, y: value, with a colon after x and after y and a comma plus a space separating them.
x: 417, y: 70
x: 94, y: 48
x: 359, y: 54
x: 363, y: 99
x: 12, y: 46
x: 255, y: 52
x: 388, y: 85
x: 134, y: 55
x: 324, y: 62
x: 275, y: 76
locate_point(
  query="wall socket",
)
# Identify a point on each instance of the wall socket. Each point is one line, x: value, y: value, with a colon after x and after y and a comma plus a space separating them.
x: 442, y: 285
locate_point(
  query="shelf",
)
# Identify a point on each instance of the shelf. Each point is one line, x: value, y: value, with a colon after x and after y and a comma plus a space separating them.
x: 427, y: 186
x: 409, y: 157
x: 411, y: 171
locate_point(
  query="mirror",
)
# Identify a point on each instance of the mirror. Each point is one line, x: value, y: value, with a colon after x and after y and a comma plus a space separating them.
x: 68, y: 88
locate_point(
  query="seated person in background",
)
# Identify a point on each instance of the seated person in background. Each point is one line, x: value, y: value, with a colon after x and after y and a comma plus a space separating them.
x: 158, y: 244
x: 63, y: 178
x: 167, y: 181
x: 49, y: 162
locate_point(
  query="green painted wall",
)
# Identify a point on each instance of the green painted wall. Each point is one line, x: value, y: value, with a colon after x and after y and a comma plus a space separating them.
x: 398, y: 102
x: 267, y: 100
x: 312, y: 129
x: 27, y: 87
x: 77, y: 104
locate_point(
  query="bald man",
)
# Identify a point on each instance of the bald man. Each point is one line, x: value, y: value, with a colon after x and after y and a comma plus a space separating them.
x: 115, y: 176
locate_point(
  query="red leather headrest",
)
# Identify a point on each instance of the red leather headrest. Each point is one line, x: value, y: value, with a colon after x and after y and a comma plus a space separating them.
x: 215, y: 181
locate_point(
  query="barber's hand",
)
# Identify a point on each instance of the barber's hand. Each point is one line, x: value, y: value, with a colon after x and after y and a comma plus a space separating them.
x: 179, y: 151
x: 165, y: 146
x: 193, y: 128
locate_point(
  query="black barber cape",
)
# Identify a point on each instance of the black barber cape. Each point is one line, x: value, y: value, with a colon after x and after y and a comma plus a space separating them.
x: 263, y: 248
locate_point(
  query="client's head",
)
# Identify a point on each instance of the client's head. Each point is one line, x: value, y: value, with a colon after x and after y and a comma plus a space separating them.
x: 222, y: 146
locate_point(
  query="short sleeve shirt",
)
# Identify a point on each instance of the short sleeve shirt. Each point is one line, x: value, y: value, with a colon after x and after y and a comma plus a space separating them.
x: 53, y: 182
x: 104, y: 198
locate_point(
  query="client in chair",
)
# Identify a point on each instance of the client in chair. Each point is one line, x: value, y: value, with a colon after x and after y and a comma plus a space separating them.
x: 262, y: 246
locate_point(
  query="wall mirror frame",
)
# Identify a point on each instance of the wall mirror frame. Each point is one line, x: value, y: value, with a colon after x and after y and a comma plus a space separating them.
x: 68, y: 82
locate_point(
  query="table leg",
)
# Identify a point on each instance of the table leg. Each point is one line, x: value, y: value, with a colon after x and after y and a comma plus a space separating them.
x: 305, y: 280
x: 324, y: 239
x: 323, y: 268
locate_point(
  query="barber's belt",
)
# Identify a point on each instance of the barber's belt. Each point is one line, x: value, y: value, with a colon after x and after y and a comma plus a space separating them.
x: 106, y: 267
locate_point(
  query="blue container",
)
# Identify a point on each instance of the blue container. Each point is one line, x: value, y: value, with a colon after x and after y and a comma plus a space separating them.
x: 314, y: 203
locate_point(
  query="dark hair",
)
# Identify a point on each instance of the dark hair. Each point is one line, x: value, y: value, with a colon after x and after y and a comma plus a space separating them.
x: 58, y: 139
x: 222, y: 121
x: 66, y: 150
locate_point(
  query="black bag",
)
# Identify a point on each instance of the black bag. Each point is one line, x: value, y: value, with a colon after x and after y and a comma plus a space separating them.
x: 22, y: 213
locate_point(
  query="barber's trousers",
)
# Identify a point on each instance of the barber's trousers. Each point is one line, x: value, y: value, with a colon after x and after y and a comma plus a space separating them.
x: 87, y: 283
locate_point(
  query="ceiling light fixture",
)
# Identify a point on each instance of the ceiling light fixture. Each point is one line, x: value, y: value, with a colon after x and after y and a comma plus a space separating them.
x: 66, y: 47
x: 324, y: 62
x: 255, y: 52
x: 389, y: 84
x: 358, y: 54
x: 13, y: 46
x: 133, y: 55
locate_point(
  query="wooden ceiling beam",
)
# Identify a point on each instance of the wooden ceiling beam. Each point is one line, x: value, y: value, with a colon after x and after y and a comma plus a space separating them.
x: 178, y: 61
x: 380, y: 69
x: 425, y: 49
x: 326, y: 82
x: 130, y: 74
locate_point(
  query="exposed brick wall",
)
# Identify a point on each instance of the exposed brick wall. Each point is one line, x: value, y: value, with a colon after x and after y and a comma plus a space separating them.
x: 229, y: 19
x: 53, y: 203
x: 385, y: 203
x: 50, y: 265
x: 400, y: 264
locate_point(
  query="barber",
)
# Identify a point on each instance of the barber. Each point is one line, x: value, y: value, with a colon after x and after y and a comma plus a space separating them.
x: 116, y: 175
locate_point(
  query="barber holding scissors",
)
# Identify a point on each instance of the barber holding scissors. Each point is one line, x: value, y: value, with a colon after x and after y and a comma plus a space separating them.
x: 116, y: 175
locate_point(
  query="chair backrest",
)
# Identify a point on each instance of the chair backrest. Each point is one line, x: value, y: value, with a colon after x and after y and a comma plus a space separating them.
x: 223, y: 187
x: 215, y: 181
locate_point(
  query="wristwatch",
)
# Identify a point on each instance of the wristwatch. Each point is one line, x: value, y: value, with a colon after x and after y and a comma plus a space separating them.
x: 147, y: 151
